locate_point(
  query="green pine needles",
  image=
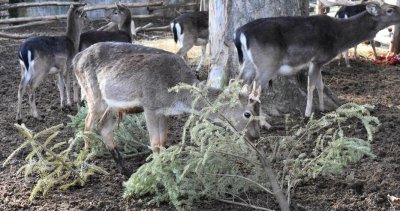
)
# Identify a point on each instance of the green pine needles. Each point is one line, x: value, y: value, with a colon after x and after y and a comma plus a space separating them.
x: 334, y: 147
x: 217, y: 162
x: 131, y: 136
x: 54, y: 162
x: 69, y: 163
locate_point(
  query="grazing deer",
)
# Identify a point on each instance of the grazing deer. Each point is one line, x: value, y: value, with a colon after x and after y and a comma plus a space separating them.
x: 285, y: 45
x: 43, y: 55
x: 119, y: 78
x: 120, y: 16
x: 191, y: 29
x: 348, y: 11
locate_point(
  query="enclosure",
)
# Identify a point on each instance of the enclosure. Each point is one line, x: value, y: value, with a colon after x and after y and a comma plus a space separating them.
x: 362, y: 185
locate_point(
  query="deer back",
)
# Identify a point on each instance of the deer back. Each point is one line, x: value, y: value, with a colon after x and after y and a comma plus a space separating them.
x: 133, y: 75
x: 295, y: 41
x: 193, y: 24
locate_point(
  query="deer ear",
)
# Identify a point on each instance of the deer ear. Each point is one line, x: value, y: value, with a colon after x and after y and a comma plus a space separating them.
x: 119, y: 5
x: 80, y: 11
x: 373, y: 9
x: 255, y: 93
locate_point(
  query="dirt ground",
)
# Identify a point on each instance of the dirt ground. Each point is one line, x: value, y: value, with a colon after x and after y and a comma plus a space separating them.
x: 362, y: 186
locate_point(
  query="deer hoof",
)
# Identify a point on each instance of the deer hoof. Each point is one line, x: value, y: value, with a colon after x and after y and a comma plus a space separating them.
x: 82, y: 103
x: 19, y: 121
x: 66, y: 109
x: 38, y: 119
x: 126, y: 172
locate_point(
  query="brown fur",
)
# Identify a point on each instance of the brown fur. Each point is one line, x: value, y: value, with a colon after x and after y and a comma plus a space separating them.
x: 118, y: 78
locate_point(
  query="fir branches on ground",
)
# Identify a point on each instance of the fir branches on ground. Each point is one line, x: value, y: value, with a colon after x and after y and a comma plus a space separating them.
x: 63, y: 164
x: 55, y: 163
x: 324, y: 146
x: 219, y: 163
x: 131, y: 136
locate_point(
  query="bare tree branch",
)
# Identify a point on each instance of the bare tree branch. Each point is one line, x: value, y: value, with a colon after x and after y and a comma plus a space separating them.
x: 243, y: 204
x: 160, y: 28
x: 29, y: 19
x: 15, y: 36
x: 37, y: 4
x: 26, y: 25
x: 129, y: 5
x: 330, y: 3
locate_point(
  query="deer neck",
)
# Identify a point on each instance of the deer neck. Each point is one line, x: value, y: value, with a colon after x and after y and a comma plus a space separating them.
x: 357, y: 29
x: 73, y: 32
x: 126, y: 26
x: 187, y: 98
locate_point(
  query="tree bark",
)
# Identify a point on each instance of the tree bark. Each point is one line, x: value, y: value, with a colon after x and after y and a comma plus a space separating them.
x: 395, y: 44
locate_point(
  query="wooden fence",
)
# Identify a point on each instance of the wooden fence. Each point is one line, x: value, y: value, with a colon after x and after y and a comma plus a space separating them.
x: 152, y: 10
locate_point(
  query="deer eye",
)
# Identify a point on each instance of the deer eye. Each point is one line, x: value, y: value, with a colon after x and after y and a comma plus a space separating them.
x: 389, y: 11
x: 247, y: 114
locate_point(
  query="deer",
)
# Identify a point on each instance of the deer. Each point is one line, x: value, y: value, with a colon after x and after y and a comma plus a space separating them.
x: 121, y: 16
x: 286, y: 45
x: 120, y: 78
x: 191, y: 29
x: 41, y: 56
x: 348, y: 11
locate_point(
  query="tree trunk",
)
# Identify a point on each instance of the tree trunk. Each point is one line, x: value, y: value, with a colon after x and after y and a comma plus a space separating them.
x: 226, y: 16
x: 288, y: 93
x: 395, y: 44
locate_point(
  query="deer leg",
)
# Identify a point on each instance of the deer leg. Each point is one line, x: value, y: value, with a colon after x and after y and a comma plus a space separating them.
x: 67, y: 76
x: 32, y: 102
x: 373, y: 48
x: 313, y: 73
x: 89, y: 124
x: 340, y: 58
x: 75, y: 87
x: 106, y: 130
x: 155, y: 130
x: 21, y: 91
x: 346, y: 57
x: 61, y: 84
x: 320, y: 90
x: 163, y: 131
x: 203, y: 56
x: 184, y: 49
x: 246, y: 72
x: 24, y: 83
x: 355, y: 53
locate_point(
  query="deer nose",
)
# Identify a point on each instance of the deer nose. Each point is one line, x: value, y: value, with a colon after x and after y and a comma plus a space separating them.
x: 252, y: 136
